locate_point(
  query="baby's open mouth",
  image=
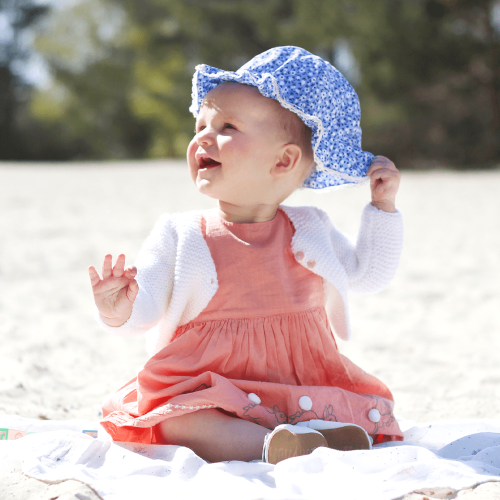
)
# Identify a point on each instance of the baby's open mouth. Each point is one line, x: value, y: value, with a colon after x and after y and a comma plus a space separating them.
x: 207, y: 163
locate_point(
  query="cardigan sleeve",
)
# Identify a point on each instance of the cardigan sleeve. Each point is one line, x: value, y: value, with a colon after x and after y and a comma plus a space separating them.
x: 155, y: 276
x: 370, y: 263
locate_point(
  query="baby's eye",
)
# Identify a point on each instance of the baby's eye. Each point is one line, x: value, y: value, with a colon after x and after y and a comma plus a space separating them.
x: 228, y: 125
x: 197, y: 130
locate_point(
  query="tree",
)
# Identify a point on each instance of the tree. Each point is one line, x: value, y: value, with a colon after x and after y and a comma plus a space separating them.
x: 88, y: 103
x: 16, y: 16
x: 432, y: 81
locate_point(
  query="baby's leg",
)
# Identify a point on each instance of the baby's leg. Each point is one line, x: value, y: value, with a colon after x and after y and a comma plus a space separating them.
x: 215, y: 436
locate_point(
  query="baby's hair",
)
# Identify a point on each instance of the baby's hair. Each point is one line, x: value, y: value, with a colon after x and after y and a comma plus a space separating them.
x: 297, y: 132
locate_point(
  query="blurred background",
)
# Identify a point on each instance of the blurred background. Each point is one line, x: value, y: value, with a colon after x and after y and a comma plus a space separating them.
x: 111, y: 79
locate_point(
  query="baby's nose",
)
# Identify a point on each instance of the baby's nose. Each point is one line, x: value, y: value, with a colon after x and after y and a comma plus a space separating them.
x: 205, y: 136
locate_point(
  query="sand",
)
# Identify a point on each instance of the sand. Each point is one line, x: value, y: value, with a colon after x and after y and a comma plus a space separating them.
x: 433, y: 335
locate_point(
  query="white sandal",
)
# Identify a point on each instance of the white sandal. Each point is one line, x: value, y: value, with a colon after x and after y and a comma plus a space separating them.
x: 340, y: 436
x: 287, y: 441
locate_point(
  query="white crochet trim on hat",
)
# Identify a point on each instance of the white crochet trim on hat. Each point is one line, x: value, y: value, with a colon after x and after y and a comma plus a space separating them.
x: 194, y: 90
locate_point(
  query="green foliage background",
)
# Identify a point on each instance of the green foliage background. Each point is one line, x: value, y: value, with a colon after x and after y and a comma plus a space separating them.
x: 427, y: 72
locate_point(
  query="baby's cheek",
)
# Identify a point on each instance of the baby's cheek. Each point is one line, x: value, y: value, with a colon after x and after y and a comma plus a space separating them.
x: 191, y: 149
x: 191, y: 160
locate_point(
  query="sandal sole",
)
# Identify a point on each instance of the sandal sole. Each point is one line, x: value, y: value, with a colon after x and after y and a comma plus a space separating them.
x: 346, y: 438
x: 285, y: 444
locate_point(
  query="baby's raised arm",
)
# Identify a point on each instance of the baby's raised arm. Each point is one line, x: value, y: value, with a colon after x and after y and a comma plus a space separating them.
x: 115, y: 293
x: 384, y: 183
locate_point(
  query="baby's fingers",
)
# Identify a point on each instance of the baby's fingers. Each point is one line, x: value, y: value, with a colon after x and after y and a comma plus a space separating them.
x: 94, y: 276
x: 131, y: 272
x: 385, y: 175
x: 119, y: 268
x: 132, y: 291
x: 107, y: 266
x: 381, y: 163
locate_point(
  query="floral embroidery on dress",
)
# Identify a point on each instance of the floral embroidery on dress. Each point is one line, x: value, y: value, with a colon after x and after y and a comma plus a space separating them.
x: 386, y: 416
x: 281, y: 417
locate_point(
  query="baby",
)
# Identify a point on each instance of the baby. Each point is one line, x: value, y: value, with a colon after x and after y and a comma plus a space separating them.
x: 240, y: 301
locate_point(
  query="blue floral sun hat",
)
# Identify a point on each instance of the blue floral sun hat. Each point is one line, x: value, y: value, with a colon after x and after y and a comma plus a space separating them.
x: 318, y: 93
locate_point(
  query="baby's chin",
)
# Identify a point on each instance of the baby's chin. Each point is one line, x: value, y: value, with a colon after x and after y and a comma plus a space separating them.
x: 205, y: 187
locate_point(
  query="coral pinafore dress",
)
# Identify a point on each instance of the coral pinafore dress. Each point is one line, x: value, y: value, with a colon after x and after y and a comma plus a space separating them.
x: 262, y: 350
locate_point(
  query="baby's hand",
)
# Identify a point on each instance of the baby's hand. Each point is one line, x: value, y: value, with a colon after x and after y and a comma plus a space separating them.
x: 115, y: 293
x: 384, y: 183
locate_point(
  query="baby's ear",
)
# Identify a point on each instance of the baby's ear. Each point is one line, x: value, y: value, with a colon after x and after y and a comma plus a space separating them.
x: 288, y: 159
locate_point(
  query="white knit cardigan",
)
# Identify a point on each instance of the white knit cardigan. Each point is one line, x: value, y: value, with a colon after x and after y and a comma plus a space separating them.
x: 177, y: 276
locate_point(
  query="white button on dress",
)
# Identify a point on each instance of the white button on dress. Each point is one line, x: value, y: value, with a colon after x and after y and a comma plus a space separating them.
x: 305, y: 403
x: 374, y: 415
x: 254, y: 398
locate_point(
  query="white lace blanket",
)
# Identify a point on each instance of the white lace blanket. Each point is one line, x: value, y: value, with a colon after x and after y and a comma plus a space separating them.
x: 455, y: 454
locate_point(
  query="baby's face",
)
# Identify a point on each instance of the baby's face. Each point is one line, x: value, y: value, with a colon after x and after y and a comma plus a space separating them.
x: 237, y: 142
